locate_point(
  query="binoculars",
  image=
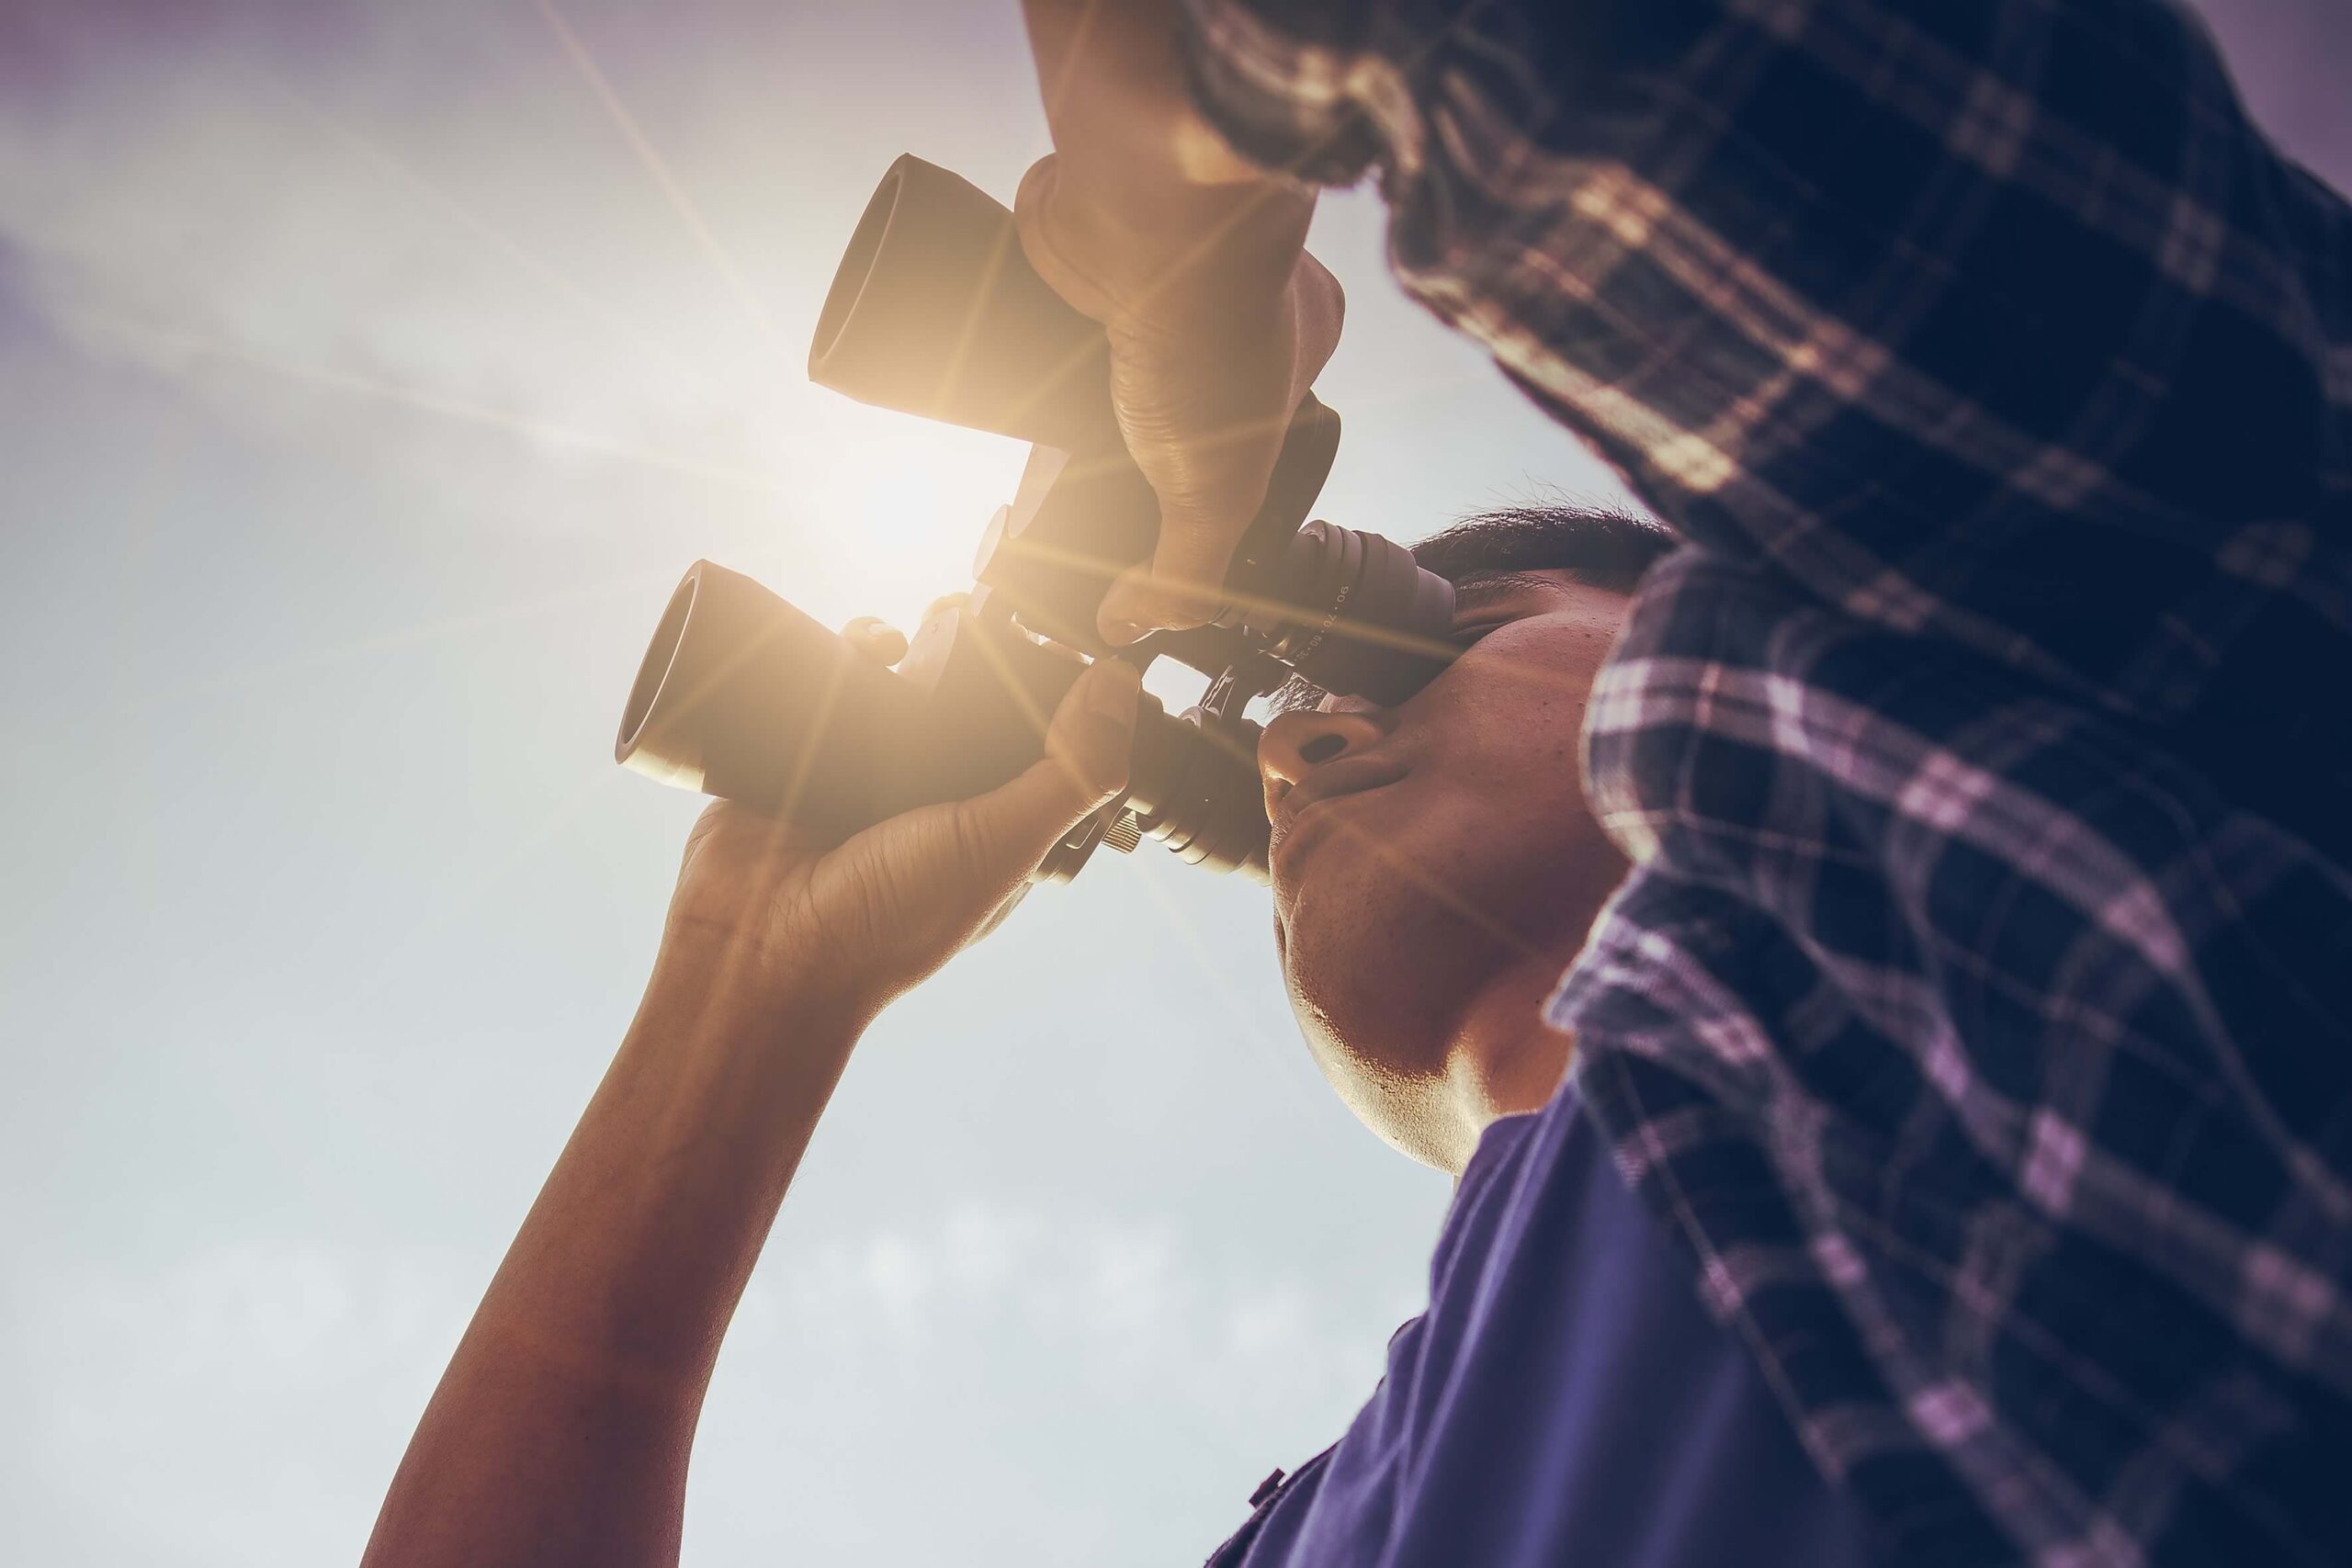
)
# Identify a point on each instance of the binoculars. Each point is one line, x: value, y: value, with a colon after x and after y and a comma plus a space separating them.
x: 935, y: 312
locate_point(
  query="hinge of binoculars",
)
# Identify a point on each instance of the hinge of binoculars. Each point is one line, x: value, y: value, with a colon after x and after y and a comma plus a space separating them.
x: 1222, y: 713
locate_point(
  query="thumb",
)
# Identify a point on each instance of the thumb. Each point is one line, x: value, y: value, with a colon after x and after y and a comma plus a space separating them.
x: 1319, y: 309
x: 1207, y: 497
x: 1206, y: 418
x: 1011, y: 828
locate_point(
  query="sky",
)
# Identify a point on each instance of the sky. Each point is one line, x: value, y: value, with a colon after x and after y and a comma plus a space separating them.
x: 368, y: 375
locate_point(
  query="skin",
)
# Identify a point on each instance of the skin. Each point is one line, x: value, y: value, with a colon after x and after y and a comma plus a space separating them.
x: 1195, y: 261
x: 559, y: 1433
x: 1434, y: 869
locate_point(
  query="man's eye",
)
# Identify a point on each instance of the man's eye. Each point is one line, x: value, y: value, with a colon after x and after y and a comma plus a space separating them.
x: 1463, y: 637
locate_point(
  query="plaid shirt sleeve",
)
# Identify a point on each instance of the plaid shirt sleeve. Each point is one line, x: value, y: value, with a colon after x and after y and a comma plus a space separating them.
x: 1980, y: 1010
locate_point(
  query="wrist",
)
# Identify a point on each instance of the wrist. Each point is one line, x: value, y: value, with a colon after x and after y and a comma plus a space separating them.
x: 715, y: 988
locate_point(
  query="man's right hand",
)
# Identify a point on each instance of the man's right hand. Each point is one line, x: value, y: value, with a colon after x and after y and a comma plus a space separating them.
x: 1193, y: 260
x: 764, y: 924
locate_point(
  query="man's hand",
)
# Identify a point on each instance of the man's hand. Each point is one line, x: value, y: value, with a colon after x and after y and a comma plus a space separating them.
x: 1194, y: 261
x: 560, y: 1432
x: 770, y: 924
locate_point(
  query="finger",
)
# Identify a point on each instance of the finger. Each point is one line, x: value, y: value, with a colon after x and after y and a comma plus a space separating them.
x: 1209, y: 464
x: 1319, y: 309
x: 1086, y: 747
x: 877, y: 639
x: 1210, y: 488
x: 1149, y: 595
x: 922, y: 885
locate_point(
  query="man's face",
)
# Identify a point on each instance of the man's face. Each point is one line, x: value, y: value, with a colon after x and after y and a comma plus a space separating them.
x: 1435, y: 862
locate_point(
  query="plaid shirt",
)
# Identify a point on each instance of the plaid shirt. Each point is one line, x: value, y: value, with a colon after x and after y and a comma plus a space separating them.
x: 1980, y: 1009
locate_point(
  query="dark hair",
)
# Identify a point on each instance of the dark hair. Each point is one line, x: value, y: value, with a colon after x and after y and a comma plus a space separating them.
x: 1601, y: 546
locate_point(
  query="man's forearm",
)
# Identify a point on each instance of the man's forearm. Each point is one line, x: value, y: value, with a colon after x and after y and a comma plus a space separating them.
x: 559, y: 1433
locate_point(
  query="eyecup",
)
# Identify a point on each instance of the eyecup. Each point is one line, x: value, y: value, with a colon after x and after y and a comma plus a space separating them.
x: 1355, y: 612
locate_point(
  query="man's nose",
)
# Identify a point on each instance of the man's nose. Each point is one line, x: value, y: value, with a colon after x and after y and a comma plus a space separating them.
x: 1296, y: 744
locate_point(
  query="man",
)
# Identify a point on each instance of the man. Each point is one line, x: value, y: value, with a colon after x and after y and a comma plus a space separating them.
x: 1976, y: 1014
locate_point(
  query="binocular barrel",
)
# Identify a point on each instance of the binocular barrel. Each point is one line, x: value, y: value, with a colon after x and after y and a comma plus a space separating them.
x: 742, y: 696
x: 935, y: 311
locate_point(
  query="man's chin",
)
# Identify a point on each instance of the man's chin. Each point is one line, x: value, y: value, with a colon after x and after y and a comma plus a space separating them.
x: 1337, y: 919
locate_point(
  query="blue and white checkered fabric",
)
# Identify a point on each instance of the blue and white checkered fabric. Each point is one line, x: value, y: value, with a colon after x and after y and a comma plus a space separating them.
x: 1980, y: 1010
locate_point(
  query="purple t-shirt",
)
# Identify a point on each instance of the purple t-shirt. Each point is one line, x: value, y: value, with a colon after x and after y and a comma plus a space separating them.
x: 1565, y: 1399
